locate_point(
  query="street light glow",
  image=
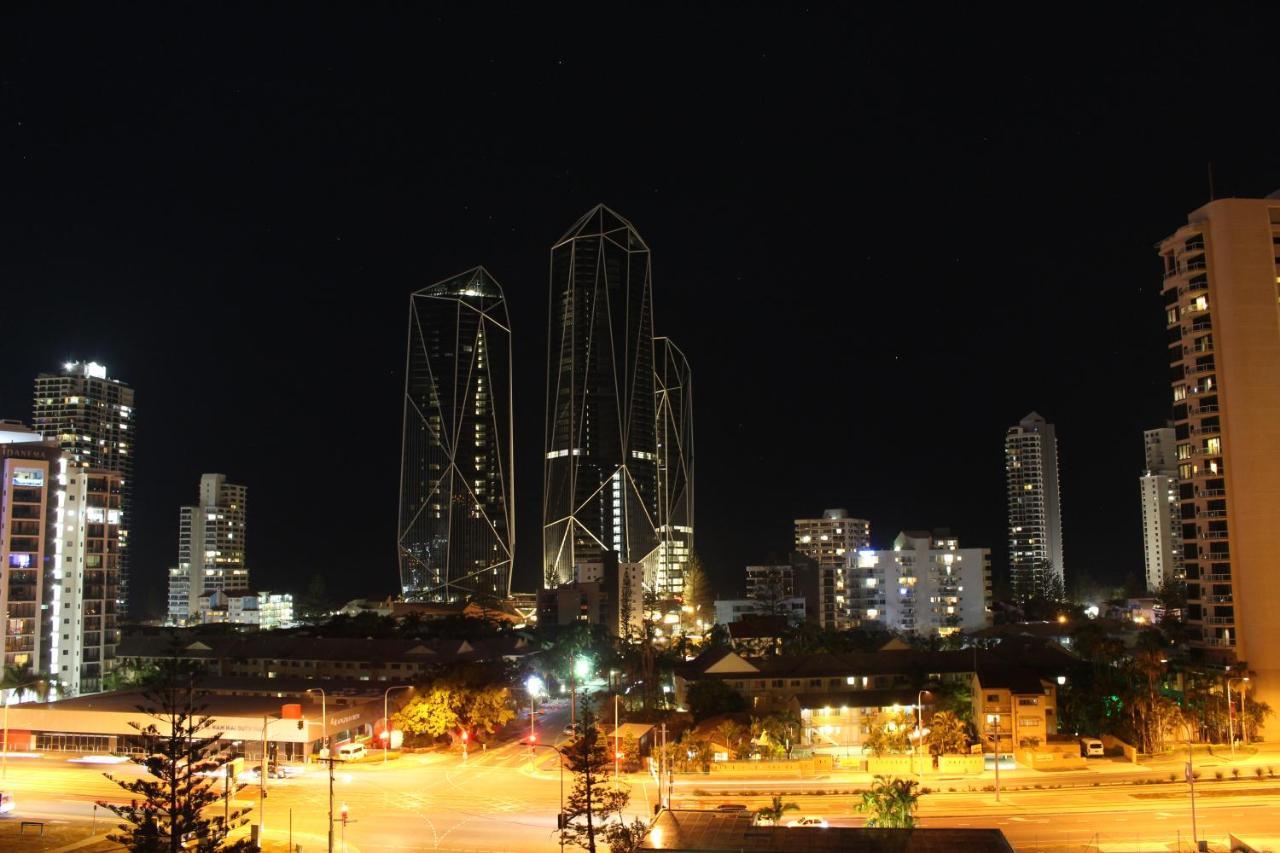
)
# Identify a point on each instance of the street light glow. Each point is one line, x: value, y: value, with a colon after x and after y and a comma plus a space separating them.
x: 582, y: 667
x: 535, y: 686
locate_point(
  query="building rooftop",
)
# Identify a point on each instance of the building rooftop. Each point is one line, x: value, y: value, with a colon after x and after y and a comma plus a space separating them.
x: 691, y: 830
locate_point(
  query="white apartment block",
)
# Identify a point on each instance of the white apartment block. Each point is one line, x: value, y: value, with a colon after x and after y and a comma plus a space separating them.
x: 211, y: 548
x: 927, y: 584
x: 1161, y: 508
x: 92, y: 530
x: 265, y: 610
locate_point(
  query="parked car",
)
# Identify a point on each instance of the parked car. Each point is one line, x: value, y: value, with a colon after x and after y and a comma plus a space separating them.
x: 811, y: 822
x: 351, y: 752
x: 1091, y: 747
x: 6, y: 803
x: 731, y: 807
x: 761, y: 820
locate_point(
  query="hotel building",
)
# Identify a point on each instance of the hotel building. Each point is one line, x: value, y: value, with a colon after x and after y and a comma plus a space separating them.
x: 1161, y: 520
x: 211, y: 548
x: 1035, y: 511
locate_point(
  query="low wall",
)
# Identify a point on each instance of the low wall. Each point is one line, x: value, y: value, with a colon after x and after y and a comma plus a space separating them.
x: 1053, y: 760
x: 1111, y: 742
x: 893, y: 765
x: 960, y: 763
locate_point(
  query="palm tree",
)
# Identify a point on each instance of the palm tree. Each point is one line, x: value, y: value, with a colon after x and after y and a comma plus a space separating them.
x: 773, y: 812
x: 891, y: 802
x: 948, y: 734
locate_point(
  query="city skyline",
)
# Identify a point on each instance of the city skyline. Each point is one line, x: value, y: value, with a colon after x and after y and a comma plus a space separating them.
x: 776, y: 332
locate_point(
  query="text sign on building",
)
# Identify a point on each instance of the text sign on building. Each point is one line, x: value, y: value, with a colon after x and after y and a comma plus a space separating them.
x: 31, y: 477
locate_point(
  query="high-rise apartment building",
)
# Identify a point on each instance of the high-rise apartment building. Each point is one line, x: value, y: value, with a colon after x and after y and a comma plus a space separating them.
x: 600, y: 484
x: 1161, y: 518
x: 211, y: 548
x: 30, y: 547
x: 674, y: 383
x: 1035, y: 512
x: 92, y: 520
x: 456, y: 533
x: 827, y: 541
x: 91, y: 416
x: 1221, y: 284
x: 927, y: 584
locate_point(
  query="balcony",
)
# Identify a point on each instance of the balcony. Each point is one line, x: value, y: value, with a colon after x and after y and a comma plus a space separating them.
x: 1219, y: 620
x: 1215, y: 534
x: 1210, y: 409
x: 1213, y: 513
x: 1218, y: 642
x: 1217, y: 599
x: 1218, y: 578
x: 1211, y: 493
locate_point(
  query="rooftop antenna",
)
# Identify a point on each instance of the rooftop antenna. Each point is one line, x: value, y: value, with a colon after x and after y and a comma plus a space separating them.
x: 1211, y: 180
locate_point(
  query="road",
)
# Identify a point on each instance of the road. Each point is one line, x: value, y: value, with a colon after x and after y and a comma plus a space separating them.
x: 500, y: 800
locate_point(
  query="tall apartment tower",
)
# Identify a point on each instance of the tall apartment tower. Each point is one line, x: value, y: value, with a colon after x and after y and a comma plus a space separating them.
x: 91, y: 416
x: 1221, y: 283
x: 31, y: 556
x: 92, y: 520
x: 211, y: 546
x: 1161, y: 518
x: 1035, y: 511
x: 675, y: 467
x: 600, y: 474
x: 827, y: 541
x: 456, y: 533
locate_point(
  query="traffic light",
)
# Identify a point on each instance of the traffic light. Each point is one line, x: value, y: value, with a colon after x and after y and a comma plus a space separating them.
x: 344, y: 814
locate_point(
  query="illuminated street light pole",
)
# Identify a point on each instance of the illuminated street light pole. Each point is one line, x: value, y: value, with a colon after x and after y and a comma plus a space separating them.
x: 328, y: 752
x: 533, y: 684
x: 581, y: 669
x: 386, y: 720
x: 920, y: 726
x: 1191, y: 783
x: 560, y: 754
x: 997, y: 754
x: 1231, y: 716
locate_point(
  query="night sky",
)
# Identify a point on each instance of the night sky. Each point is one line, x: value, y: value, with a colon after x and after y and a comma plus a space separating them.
x: 880, y: 242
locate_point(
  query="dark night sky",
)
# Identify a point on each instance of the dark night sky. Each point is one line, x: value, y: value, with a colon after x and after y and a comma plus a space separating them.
x: 879, y: 241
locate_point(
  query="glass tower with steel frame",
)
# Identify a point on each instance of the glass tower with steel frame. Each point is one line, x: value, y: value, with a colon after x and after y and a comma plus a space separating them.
x: 600, y: 480
x: 674, y: 391
x: 456, y: 533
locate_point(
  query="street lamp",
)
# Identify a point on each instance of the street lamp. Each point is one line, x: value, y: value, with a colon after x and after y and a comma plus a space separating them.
x: 386, y: 720
x: 920, y: 723
x: 580, y: 670
x: 533, y: 684
x: 560, y: 753
x: 1231, y: 729
x: 328, y: 753
x: 1191, y: 782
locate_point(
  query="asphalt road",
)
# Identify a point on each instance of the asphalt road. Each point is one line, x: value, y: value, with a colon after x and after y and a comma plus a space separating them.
x: 498, y: 800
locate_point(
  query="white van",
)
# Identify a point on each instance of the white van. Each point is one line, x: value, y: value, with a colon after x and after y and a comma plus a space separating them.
x: 351, y: 752
x: 1091, y: 747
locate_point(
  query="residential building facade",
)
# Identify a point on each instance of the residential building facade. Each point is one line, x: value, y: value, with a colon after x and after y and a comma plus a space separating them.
x: 828, y: 541
x: 264, y: 610
x: 926, y: 584
x: 211, y: 548
x: 92, y: 418
x: 600, y: 481
x: 1161, y: 509
x: 93, y: 517
x: 1221, y: 272
x: 456, y: 533
x: 1035, y: 511
x: 30, y: 548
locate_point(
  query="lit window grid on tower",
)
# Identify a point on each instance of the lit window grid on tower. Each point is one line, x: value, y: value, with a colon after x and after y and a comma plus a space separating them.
x: 600, y: 468
x: 456, y: 533
x: 92, y: 418
x: 674, y: 388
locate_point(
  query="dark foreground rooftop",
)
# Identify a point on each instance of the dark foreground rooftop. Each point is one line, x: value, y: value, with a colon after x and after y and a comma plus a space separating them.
x: 690, y: 830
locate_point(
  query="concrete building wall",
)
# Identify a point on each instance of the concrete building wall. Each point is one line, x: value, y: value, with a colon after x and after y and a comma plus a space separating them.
x: 1220, y: 293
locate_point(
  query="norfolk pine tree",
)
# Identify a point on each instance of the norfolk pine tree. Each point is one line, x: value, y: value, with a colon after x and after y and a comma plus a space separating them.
x: 168, y: 808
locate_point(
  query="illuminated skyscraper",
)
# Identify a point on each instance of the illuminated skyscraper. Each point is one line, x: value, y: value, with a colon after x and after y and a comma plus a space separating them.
x: 601, y: 461
x: 92, y: 419
x: 1221, y: 275
x: 211, y: 548
x: 456, y: 533
x: 675, y: 468
x: 1161, y: 516
x: 1035, y: 512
